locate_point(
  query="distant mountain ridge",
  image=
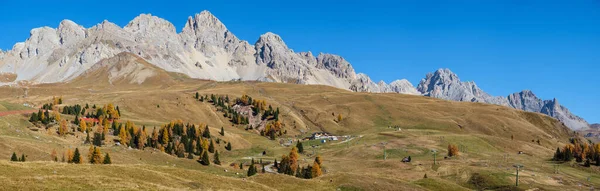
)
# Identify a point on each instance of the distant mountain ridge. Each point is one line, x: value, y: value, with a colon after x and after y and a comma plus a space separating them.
x: 206, y: 49
x: 444, y: 84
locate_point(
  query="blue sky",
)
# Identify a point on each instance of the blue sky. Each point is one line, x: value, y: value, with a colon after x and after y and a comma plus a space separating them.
x: 549, y: 47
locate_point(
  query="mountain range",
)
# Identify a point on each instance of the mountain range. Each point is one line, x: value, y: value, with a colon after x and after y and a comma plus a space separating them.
x: 206, y: 49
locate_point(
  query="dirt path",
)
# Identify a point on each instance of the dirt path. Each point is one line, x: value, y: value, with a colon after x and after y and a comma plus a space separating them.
x: 4, y: 113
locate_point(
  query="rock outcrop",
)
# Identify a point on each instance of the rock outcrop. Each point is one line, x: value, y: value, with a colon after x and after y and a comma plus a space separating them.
x: 444, y: 84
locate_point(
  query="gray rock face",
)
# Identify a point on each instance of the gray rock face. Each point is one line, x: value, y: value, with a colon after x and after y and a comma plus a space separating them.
x: 364, y: 84
x: 204, y: 49
x: 444, y: 84
x: 595, y: 126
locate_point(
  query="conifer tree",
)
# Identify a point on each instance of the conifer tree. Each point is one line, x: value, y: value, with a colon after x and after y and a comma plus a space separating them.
x: 77, y: 157
x: 216, y: 158
x: 300, y: 147
x: 96, y: 156
x: 318, y: 160
x: 97, y: 139
x: 123, y: 137
x: 87, y: 139
x: 228, y: 146
x: 558, y: 155
x: 316, y: 170
x: 33, y: 118
x: 251, y: 170
x: 22, y: 159
x: 206, y: 133
x: 107, y: 159
x: 241, y: 166
x: 204, y: 160
x: 14, y: 157
x: 222, y: 132
x: 211, y: 147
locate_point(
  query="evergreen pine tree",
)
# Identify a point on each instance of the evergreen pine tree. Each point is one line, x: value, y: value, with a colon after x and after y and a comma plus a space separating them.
x: 206, y: 132
x: 106, y: 159
x: 241, y: 166
x: 300, y: 147
x: 14, y: 157
x: 204, y: 160
x: 558, y: 155
x: 228, y: 147
x: 97, y: 139
x: 33, y: 117
x: 216, y: 158
x: 222, y: 131
x: 22, y: 159
x: 251, y: 170
x: 77, y: 157
x: 211, y: 147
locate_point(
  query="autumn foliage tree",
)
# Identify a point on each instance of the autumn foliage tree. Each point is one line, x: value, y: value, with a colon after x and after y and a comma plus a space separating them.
x: 96, y: 156
x: 452, y: 150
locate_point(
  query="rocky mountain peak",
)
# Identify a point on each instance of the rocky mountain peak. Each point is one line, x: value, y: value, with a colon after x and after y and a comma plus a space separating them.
x: 146, y: 23
x: 336, y: 65
x: 204, y: 21
x: 273, y: 52
x: 70, y: 32
x: 272, y: 39
x: 403, y: 86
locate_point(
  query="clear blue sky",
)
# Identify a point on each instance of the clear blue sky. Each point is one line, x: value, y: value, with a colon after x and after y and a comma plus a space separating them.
x: 550, y: 47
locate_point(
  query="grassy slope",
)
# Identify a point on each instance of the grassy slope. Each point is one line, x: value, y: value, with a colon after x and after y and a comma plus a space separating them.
x: 483, y: 132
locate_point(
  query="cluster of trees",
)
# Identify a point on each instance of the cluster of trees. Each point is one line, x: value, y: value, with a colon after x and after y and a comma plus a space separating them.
x: 174, y: 138
x: 273, y: 129
x: 259, y: 108
x: 73, y: 110
x: 252, y: 170
x: 43, y: 117
x: 289, y: 165
x: 48, y: 106
x: 75, y: 157
x: 14, y: 158
x: 109, y: 112
x: 452, y: 150
x: 57, y: 100
x: 581, y: 152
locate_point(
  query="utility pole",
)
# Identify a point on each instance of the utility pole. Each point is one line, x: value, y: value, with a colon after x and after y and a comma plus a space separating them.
x: 518, y: 166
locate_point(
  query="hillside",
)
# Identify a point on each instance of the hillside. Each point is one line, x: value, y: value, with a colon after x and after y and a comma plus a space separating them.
x: 126, y: 70
x: 403, y: 125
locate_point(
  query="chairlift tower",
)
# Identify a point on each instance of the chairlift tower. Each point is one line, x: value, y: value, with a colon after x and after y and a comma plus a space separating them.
x: 519, y: 167
x: 434, y: 156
